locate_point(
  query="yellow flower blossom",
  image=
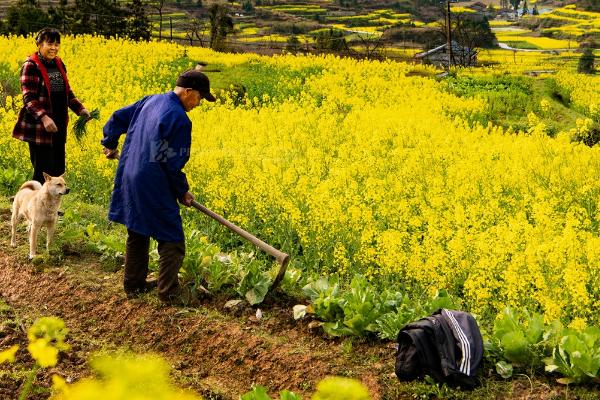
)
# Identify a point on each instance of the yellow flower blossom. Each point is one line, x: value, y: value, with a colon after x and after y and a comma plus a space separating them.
x: 43, y: 353
x: 9, y: 354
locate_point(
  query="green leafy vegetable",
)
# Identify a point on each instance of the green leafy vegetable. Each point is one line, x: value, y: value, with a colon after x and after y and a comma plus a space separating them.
x: 577, y: 356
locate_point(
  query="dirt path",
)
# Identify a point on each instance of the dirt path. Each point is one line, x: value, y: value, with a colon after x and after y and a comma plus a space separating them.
x: 215, y: 352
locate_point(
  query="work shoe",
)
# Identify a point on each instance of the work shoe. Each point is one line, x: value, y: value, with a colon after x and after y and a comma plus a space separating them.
x: 148, y: 287
x: 186, y: 297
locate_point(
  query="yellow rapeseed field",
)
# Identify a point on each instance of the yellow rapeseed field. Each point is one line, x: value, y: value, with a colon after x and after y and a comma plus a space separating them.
x: 366, y: 168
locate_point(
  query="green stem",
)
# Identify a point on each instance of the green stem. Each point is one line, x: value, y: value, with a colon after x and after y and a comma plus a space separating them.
x: 29, y: 382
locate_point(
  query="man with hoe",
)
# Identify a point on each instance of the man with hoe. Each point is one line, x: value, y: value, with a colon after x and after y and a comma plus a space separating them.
x: 149, y: 182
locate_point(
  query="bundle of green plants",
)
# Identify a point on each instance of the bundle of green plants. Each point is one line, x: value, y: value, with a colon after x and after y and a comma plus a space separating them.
x: 80, y: 126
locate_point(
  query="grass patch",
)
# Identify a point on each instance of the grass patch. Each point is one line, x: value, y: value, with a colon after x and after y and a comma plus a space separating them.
x: 510, y: 99
x: 521, y: 44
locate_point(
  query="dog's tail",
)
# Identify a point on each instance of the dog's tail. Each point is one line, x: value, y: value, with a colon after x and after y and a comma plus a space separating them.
x: 33, y: 185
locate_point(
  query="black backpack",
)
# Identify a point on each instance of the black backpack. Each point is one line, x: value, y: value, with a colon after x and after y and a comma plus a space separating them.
x: 446, y: 346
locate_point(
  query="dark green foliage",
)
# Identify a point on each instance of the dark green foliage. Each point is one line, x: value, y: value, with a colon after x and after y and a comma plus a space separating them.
x: 515, y: 4
x: 221, y: 24
x: 591, y: 138
x: 247, y: 6
x: 236, y: 93
x: 586, y: 62
x: 59, y: 16
x: 293, y: 44
x: 102, y: 17
x: 559, y: 93
x: 138, y: 26
x: 348, y: 3
x: 293, y: 28
x: 472, y: 31
x: 525, y: 8
x: 589, y: 5
x: 26, y: 17
x: 535, y: 10
x: 428, y: 37
x: 330, y: 40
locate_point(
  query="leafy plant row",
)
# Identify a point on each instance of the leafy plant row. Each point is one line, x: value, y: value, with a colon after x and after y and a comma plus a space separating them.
x: 517, y: 340
x: 523, y: 340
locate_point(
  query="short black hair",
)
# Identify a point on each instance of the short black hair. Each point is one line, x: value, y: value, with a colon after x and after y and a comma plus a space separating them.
x: 49, y: 35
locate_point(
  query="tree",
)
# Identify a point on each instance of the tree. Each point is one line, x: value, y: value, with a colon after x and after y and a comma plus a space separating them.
x: 26, y: 17
x: 247, y: 6
x: 221, y: 24
x: 102, y: 17
x: 59, y: 16
x: 535, y: 10
x: 158, y: 6
x: 293, y: 44
x: 138, y: 27
x: 469, y: 33
x: 525, y: 8
x: 586, y: 62
x: 515, y: 4
x: 194, y: 30
x: 372, y: 46
x: 331, y: 40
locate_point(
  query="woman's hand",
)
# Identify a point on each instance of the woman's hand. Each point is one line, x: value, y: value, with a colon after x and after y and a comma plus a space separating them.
x: 86, y: 113
x: 49, y: 124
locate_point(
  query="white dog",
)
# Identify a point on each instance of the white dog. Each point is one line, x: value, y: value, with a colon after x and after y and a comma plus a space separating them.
x: 39, y: 205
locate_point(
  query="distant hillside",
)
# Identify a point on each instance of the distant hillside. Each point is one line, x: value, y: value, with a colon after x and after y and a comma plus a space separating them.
x: 4, y: 4
x: 590, y: 5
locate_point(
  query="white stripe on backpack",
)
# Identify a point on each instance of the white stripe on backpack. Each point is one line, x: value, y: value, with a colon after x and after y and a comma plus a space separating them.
x: 465, y: 346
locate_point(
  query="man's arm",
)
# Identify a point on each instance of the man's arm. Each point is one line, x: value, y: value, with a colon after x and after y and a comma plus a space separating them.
x: 118, y: 125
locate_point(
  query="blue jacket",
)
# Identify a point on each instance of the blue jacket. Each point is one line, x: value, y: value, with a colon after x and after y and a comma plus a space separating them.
x: 149, y: 177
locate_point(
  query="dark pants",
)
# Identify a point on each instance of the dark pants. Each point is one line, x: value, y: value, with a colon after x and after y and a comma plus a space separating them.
x: 48, y: 159
x: 136, y: 265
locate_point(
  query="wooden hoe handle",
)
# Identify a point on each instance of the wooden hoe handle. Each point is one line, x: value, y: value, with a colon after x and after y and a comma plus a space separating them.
x: 282, y: 258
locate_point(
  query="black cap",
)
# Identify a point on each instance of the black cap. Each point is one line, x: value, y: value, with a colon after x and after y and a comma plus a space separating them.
x: 196, y: 80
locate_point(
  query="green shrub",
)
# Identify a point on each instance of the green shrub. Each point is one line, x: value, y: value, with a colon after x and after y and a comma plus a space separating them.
x: 586, y: 62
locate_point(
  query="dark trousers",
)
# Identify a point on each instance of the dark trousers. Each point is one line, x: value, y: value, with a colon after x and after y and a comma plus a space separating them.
x: 136, y: 264
x: 48, y: 159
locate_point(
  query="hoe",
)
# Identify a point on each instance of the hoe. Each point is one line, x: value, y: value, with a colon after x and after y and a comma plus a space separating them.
x: 282, y: 258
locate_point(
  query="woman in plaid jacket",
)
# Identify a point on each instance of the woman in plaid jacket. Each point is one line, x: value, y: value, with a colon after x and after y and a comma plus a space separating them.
x: 47, y: 97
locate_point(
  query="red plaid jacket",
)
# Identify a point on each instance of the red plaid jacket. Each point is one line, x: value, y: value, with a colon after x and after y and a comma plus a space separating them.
x: 35, y: 86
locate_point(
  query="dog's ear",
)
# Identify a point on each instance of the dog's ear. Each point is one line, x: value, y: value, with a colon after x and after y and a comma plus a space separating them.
x: 46, y: 177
